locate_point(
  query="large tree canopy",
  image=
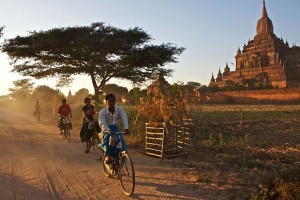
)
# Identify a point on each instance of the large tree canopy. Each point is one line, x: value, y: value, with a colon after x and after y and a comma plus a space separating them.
x: 99, y: 51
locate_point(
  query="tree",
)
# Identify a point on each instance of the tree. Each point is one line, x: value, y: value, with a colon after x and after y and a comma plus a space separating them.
x: 193, y: 85
x: 80, y: 95
x: 136, y: 94
x: 49, y: 97
x: 119, y: 91
x: 22, y: 89
x: 1, y: 29
x: 203, y: 89
x: 99, y: 51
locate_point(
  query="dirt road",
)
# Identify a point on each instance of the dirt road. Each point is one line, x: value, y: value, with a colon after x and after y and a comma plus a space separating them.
x: 36, y: 163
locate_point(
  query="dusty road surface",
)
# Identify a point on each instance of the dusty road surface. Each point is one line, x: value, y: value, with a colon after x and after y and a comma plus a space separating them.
x: 36, y: 163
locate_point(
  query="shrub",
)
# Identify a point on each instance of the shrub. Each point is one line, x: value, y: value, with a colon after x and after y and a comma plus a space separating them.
x: 284, y: 185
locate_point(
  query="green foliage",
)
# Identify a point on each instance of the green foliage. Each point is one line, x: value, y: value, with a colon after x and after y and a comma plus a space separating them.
x: 232, y: 86
x: 137, y: 128
x: 119, y: 91
x: 22, y: 89
x: 135, y: 95
x: 99, y: 51
x: 193, y: 85
x: 203, y: 89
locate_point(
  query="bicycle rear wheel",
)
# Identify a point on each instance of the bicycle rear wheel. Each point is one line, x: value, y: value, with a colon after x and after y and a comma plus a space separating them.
x: 127, y: 174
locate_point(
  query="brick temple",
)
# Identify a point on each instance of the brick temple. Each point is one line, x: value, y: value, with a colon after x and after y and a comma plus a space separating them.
x: 264, y: 61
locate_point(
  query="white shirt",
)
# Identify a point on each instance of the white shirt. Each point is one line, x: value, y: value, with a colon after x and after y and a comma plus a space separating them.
x: 106, y: 118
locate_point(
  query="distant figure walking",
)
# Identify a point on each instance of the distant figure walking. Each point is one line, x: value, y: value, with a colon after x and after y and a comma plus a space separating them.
x: 37, y: 111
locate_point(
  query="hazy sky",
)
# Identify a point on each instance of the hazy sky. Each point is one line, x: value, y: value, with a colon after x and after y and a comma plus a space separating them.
x: 210, y: 30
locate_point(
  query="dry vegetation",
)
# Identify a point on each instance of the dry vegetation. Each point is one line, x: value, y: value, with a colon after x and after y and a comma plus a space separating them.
x: 251, y: 151
x: 257, y: 157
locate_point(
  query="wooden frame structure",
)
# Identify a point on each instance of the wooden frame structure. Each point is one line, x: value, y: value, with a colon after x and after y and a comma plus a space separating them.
x: 169, y: 141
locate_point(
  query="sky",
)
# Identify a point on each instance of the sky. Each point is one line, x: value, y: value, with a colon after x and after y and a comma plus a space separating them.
x: 210, y: 30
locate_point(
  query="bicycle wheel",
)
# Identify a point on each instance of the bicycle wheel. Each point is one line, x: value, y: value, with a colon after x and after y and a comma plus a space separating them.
x: 83, y: 145
x: 64, y: 136
x: 126, y: 174
x: 68, y: 133
x: 93, y: 140
x: 106, y: 168
x: 98, y: 153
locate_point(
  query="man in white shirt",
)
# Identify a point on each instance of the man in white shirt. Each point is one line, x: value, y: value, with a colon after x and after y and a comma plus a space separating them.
x: 109, y: 120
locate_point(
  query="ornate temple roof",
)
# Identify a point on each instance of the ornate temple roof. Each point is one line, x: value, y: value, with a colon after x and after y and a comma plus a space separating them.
x: 264, y: 24
x: 226, y: 69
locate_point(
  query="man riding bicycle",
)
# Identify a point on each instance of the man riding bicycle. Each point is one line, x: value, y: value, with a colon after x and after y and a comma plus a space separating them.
x: 64, y: 111
x: 109, y: 122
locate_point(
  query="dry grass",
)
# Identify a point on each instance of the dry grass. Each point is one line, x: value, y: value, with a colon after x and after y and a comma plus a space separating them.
x: 251, y: 157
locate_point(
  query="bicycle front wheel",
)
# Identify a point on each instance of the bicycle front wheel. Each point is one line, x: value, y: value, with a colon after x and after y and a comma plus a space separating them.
x: 107, y: 169
x: 127, y: 174
x: 67, y: 133
x: 97, y: 151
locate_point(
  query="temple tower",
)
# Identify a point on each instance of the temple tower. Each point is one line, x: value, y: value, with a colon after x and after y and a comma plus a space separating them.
x: 265, y: 60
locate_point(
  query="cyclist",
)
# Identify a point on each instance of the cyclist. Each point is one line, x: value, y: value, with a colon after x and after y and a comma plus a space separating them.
x: 37, y: 110
x: 109, y: 119
x: 64, y: 110
x: 88, y: 111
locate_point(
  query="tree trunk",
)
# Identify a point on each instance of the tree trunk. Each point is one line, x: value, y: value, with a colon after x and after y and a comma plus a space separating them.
x: 98, y: 103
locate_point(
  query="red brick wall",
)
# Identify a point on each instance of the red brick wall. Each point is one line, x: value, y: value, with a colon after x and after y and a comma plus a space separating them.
x: 274, y: 95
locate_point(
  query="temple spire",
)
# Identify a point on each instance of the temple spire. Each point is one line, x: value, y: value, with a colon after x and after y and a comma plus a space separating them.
x: 264, y: 24
x: 212, y: 78
x: 264, y: 13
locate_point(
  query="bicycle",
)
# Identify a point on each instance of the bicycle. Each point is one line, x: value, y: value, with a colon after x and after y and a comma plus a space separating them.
x: 122, y: 166
x: 37, y: 115
x: 94, y: 141
x: 66, y: 131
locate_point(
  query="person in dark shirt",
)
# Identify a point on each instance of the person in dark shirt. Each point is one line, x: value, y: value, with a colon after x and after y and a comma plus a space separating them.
x: 86, y: 134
